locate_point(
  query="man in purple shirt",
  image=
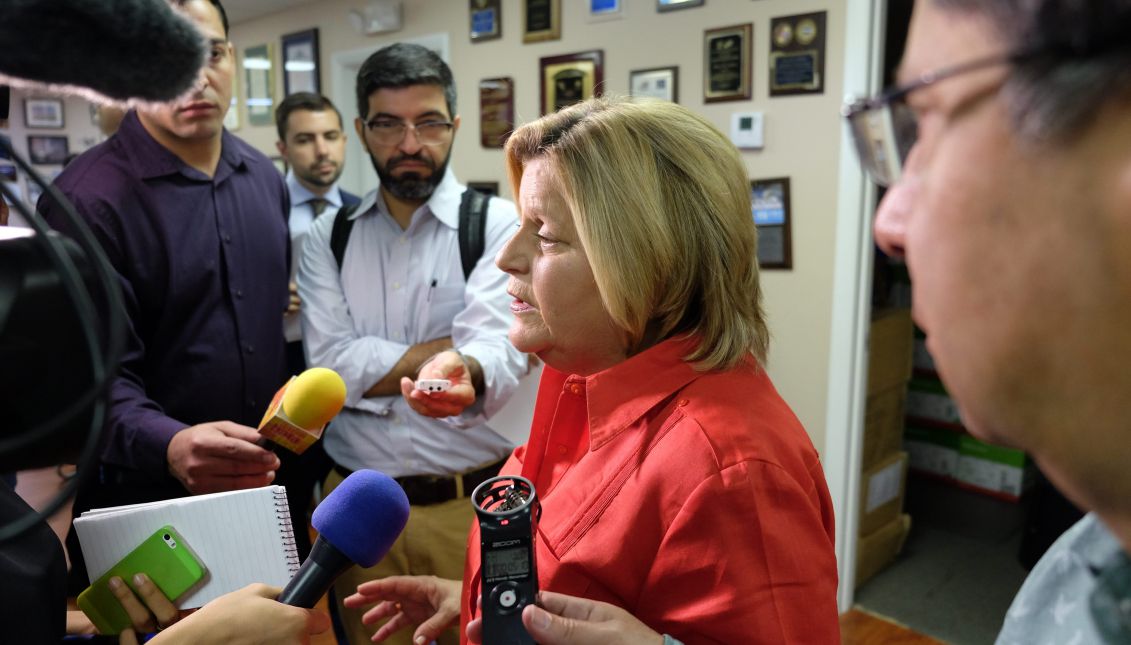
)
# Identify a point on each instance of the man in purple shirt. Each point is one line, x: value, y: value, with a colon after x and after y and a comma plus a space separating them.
x: 194, y: 222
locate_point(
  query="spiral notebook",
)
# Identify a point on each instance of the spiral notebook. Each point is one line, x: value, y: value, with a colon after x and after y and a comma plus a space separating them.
x: 241, y: 537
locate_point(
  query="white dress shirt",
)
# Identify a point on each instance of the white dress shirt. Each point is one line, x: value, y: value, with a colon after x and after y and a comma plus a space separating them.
x: 302, y: 214
x: 398, y: 288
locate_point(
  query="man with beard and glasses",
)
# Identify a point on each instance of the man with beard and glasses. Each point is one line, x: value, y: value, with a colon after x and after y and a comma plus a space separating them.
x: 398, y: 298
x: 313, y: 143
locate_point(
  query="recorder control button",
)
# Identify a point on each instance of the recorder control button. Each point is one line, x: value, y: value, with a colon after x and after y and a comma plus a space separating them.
x: 507, y: 597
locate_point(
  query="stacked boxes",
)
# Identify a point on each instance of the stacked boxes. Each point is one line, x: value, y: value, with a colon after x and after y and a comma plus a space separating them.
x: 882, y: 528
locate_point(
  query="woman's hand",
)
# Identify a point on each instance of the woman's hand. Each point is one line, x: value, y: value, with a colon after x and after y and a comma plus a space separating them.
x: 429, y: 602
x: 566, y: 620
x: 248, y: 616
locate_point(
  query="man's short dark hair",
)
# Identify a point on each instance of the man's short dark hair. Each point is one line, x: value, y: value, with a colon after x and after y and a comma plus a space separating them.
x: 1084, y: 62
x: 308, y: 101
x: 219, y: 8
x: 403, y: 65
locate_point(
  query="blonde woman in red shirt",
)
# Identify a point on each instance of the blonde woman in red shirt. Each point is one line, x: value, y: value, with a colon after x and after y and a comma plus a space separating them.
x: 681, y: 498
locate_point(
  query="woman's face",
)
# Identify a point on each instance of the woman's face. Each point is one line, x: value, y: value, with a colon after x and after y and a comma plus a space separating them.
x: 558, y: 313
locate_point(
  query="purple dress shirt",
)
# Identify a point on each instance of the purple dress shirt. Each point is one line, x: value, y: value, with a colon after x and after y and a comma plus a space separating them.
x: 203, y: 268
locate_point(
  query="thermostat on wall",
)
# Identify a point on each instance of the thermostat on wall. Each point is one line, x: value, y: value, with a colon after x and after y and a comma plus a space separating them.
x: 746, y: 130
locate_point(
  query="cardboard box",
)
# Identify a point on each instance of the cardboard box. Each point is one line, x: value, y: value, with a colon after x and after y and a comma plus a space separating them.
x: 889, y: 349
x: 928, y: 403
x: 1005, y: 473
x: 881, y: 493
x: 932, y: 451
x: 883, y: 425
x: 876, y: 550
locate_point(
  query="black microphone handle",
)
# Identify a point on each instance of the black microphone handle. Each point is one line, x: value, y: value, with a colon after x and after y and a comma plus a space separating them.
x: 316, y: 575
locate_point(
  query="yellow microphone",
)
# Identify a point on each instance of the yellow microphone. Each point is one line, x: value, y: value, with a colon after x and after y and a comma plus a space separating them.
x: 301, y: 409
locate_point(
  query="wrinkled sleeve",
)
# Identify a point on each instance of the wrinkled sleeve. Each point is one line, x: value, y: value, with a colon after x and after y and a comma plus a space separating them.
x: 748, y: 559
x: 139, y: 430
x: 329, y: 334
x: 480, y: 329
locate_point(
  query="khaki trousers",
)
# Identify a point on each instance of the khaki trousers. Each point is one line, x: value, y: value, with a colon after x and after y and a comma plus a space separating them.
x: 434, y: 542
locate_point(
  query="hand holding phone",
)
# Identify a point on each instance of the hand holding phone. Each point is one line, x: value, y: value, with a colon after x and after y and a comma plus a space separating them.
x: 164, y: 557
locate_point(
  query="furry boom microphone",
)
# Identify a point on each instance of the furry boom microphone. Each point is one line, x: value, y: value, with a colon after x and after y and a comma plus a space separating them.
x: 117, y: 49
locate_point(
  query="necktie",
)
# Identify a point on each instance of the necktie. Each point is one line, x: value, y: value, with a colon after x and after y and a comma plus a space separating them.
x: 318, y: 205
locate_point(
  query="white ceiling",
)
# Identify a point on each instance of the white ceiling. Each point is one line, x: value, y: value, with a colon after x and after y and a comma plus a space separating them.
x: 241, y: 10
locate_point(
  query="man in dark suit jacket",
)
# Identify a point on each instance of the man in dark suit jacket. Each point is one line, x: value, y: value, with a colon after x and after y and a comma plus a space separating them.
x: 313, y: 144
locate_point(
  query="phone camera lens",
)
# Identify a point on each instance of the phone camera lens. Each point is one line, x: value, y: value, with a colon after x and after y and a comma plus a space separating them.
x: 167, y: 537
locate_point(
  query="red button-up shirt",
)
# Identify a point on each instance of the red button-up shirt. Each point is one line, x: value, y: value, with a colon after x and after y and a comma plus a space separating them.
x: 696, y: 501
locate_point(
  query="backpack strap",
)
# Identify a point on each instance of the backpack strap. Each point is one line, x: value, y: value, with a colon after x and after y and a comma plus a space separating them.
x: 340, y: 234
x: 472, y: 228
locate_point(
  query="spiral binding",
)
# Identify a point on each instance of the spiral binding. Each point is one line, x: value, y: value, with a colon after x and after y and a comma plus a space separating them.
x: 286, y: 530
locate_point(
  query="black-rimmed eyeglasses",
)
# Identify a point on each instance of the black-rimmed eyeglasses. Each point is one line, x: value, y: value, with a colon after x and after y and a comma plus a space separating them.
x: 884, y: 128
x: 390, y: 132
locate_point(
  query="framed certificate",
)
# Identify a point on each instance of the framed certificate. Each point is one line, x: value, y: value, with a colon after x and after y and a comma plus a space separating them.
x: 571, y: 78
x: 260, y: 87
x: 496, y: 111
x: 43, y: 113
x: 541, y: 20
x: 797, y: 54
x: 727, y: 63
x: 658, y: 82
x: 769, y: 206
x: 300, y: 62
x: 486, y: 20
x: 47, y: 150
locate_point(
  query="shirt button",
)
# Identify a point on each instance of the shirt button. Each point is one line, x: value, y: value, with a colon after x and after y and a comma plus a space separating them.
x: 250, y: 349
x: 576, y: 389
x: 228, y: 239
x: 396, y: 285
x: 239, y: 293
x: 561, y: 450
x: 682, y: 402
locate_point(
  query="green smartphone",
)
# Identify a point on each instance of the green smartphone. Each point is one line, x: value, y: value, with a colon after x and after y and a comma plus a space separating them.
x: 164, y: 557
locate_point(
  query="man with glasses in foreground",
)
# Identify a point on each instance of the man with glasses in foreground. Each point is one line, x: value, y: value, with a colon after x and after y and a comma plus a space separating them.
x: 1006, y: 149
x: 1010, y: 198
x: 397, y: 297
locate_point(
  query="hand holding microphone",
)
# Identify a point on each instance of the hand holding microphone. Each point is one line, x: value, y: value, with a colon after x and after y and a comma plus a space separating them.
x: 357, y: 523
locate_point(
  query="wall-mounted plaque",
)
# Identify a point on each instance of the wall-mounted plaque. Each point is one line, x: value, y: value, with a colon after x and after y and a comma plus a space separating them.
x: 486, y: 20
x: 727, y: 63
x: 496, y: 111
x: 769, y: 206
x: 797, y: 54
x: 541, y: 20
x: 658, y: 82
x: 571, y: 78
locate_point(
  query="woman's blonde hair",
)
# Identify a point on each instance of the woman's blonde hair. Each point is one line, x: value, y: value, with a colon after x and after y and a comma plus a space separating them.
x: 661, y: 202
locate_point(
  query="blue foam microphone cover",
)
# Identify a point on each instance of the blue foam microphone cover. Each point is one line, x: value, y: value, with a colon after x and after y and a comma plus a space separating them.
x: 363, y: 516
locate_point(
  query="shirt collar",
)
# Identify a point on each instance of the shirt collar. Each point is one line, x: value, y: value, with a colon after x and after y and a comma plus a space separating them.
x: 301, y: 195
x: 150, y: 159
x: 620, y: 395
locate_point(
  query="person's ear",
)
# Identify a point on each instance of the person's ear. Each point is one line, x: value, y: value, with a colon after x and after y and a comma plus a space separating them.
x: 455, y: 125
x: 282, y: 148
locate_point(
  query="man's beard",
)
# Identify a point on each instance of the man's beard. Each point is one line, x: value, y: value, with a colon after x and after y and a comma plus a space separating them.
x: 410, y: 186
